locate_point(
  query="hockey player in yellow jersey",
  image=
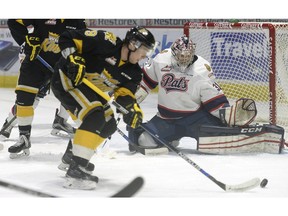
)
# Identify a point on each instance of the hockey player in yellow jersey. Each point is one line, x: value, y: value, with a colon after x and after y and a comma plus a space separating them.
x: 41, y: 40
x: 112, y: 65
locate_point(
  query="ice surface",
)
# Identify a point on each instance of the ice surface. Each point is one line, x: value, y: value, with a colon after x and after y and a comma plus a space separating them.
x: 178, y: 186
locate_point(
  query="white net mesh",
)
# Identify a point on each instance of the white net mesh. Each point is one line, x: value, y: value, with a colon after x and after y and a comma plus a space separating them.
x: 242, y: 57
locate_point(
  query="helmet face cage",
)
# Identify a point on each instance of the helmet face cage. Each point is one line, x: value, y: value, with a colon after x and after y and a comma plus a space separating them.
x: 138, y: 36
x: 183, y: 51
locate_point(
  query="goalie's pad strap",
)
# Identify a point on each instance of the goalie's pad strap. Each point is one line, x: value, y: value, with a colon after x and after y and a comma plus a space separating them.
x: 231, y: 140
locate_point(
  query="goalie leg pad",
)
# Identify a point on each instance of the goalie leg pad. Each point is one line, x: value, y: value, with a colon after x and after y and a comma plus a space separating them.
x: 234, y: 140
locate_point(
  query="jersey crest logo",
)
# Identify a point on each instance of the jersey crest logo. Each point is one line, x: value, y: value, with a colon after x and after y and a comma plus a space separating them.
x: 110, y: 37
x: 170, y: 83
x: 50, y: 44
x: 208, y: 67
x: 166, y: 68
x: 53, y: 37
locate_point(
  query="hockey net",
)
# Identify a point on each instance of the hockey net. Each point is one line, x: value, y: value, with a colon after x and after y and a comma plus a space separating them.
x: 249, y: 60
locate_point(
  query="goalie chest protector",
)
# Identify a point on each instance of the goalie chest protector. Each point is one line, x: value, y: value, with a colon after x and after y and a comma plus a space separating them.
x: 257, y: 138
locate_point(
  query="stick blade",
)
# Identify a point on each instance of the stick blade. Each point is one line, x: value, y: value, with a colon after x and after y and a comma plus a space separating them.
x: 248, y: 185
x: 132, y: 188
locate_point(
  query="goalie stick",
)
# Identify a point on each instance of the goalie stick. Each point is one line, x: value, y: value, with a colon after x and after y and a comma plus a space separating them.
x: 127, y: 191
x: 238, y: 187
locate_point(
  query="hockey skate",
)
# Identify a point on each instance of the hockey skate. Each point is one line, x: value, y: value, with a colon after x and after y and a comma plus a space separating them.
x: 8, y: 126
x: 78, y: 178
x: 67, y: 158
x: 60, y: 125
x: 21, y: 148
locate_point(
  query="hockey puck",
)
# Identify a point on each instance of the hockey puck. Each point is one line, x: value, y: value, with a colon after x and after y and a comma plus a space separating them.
x: 263, y: 183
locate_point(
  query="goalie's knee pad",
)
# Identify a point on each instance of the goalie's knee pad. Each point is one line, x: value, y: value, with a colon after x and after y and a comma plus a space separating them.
x: 145, y: 140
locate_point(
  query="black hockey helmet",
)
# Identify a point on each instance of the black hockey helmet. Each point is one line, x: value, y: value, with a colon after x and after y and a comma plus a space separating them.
x: 141, y: 36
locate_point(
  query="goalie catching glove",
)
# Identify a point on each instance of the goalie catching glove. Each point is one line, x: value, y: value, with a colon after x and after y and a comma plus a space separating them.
x: 75, y: 68
x: 32, y: 46
x: 242, y: 113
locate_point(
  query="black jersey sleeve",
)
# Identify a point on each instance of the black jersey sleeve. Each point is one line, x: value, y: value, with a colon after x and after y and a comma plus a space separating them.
x: 89, y: 41
x: 18, y: 29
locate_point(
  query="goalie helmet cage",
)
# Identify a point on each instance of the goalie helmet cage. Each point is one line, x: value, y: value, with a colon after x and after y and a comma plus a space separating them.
x: 249, y: 60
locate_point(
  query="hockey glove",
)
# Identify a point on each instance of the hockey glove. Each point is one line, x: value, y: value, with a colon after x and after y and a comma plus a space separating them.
x: 134, y: 117
x: 76, y: 68
x: 242, y: 113
x: 32, y: 46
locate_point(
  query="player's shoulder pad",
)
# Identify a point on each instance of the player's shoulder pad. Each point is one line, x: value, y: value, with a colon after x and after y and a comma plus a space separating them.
x: 164, y: 55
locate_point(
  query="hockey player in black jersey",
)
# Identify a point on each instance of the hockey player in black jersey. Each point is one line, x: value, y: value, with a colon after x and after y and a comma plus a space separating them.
x: 38, y: 37
x: 110, y: 64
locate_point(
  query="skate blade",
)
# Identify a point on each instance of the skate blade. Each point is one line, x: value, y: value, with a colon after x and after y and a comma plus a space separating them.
x: 72, y: 183
x: 63, y: 167
x: 61, y: 133
x: 24, y: 153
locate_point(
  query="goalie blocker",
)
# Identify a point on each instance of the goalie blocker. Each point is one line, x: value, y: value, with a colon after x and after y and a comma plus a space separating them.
x: 257, y: 138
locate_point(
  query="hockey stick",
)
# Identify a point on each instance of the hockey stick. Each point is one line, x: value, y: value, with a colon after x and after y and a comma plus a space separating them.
x: 128, y: 191
x: 25, y: 190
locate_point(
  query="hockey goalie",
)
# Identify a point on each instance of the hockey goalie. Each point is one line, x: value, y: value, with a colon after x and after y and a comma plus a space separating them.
x: 192, y: 104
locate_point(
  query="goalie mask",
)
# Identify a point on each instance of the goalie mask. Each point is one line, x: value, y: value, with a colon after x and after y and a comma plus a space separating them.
x: 183, y: 51
x: 138, y: 37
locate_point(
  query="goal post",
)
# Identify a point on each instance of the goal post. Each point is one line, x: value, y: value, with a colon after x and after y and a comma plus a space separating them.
x: 249, y: 59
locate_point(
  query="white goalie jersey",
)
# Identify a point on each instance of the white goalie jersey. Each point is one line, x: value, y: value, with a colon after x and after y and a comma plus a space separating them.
x: 181, y: 94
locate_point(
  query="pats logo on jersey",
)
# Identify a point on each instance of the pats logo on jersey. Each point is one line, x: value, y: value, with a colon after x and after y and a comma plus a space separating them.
x: 170, y: 83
